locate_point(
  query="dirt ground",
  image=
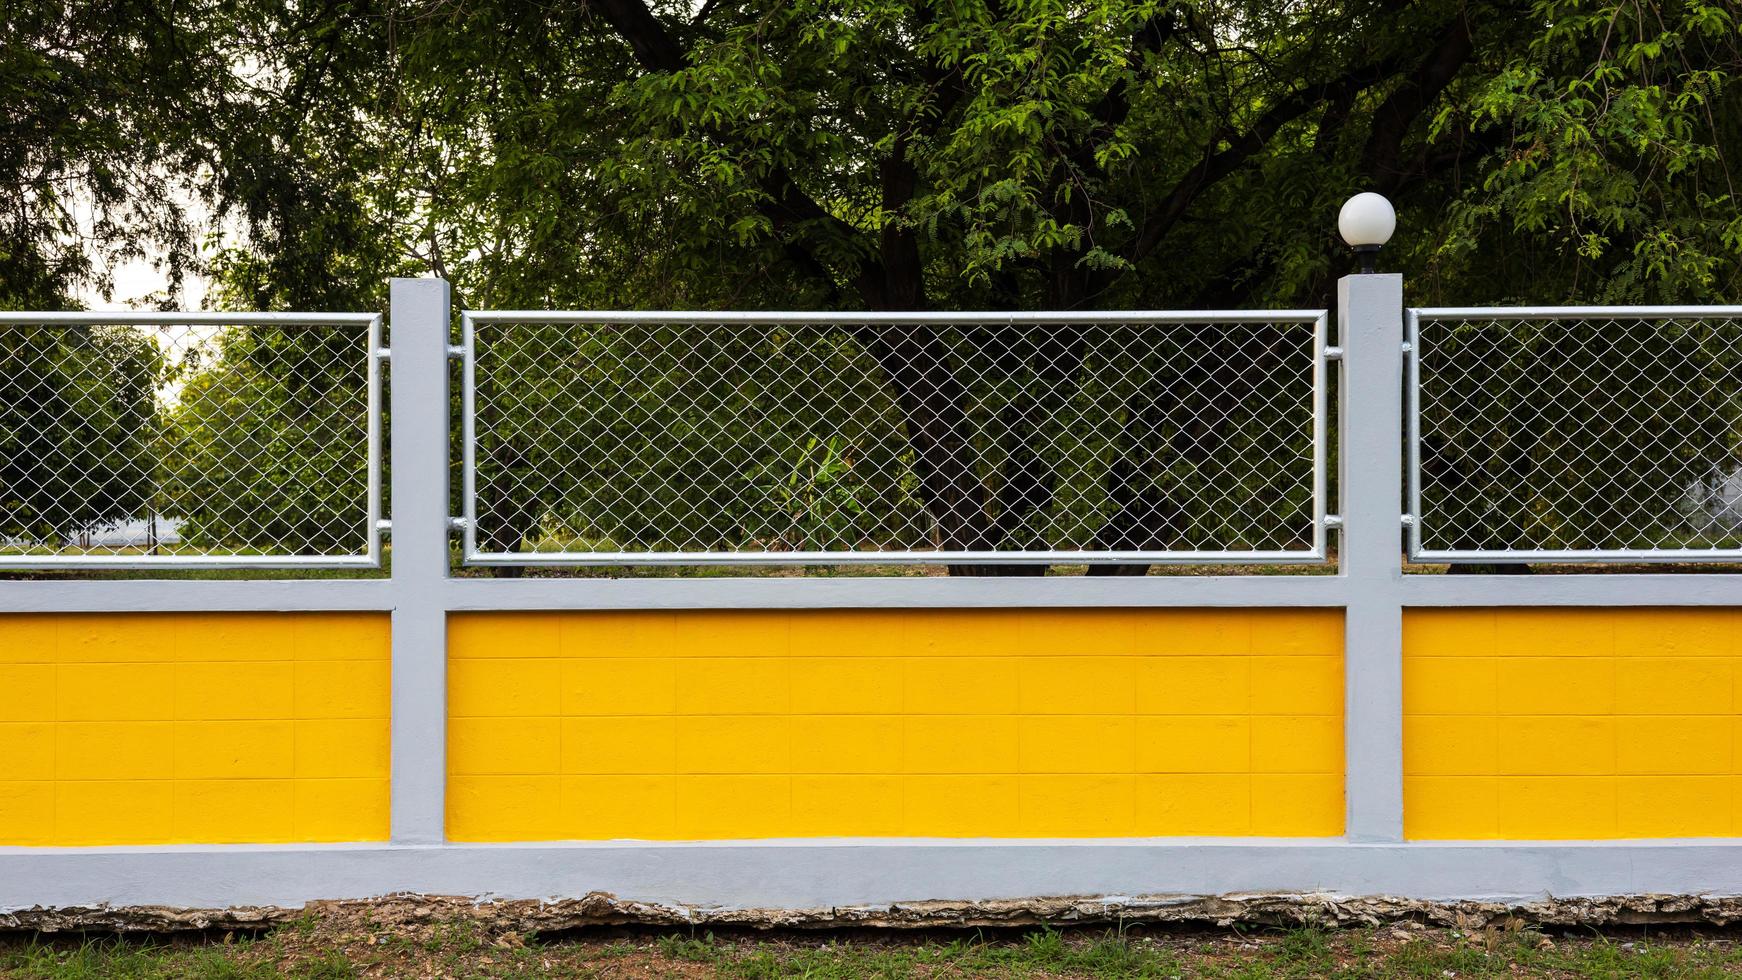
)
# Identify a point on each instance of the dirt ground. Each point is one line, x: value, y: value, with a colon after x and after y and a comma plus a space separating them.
x: 455, y: 938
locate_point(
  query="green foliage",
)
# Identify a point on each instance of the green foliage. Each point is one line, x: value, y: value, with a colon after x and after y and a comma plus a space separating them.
x: 856, y: 154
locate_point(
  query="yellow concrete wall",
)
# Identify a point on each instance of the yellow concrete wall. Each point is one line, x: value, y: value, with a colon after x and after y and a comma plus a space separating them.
x: 951, y: 723
x: 1571, y: 724
x: 170, y: 728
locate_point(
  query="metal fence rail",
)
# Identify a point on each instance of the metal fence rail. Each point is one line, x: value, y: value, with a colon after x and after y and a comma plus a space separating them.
x: 188, y: 440
x: 1575, y: 434
x: 737, y: 438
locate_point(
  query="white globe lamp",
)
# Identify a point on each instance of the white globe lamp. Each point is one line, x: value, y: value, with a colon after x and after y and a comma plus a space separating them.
x: 1366, y: 223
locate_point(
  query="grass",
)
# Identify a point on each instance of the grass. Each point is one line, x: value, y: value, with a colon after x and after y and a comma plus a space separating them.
x: 359, y: 943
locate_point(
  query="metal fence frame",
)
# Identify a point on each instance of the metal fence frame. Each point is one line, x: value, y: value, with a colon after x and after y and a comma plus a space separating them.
x: 1413, y: 518
x: 371, y: 556
x: 1321, y: 353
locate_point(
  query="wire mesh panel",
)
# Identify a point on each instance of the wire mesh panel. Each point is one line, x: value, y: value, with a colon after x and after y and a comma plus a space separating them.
x: 686, y: 438
x: 1576, y: 434
x: 189, y: 440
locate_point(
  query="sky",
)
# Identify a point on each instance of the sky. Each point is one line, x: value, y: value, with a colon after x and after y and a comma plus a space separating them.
x: 137, y: 279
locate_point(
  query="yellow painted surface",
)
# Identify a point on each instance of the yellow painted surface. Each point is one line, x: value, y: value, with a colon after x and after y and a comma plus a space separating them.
x: 178, y: 728
x: 947, y: 723
x: 1552, y: 724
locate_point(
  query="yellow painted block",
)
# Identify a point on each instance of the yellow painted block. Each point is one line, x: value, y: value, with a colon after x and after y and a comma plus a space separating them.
x: 1671, y: 745
x: 27, y: 692
x: 846, y: 685
x: 628, y: 633
x: 961, y: 806
x: 1450, y: 745
x: 1191, y: 632
x: 511, y: 636
x: 1077, y: 685
x: 847, y: 806
x: 1556, y: 685
x: 892, y: 722
x: 848, y: 633
x: 235, y: 811
x: 1554, y: 633
x: 344, y: 689
x: 1450, y: 685
x: 334, y: 810
x: 1676, y: 632
x: 1674, y: 685
x: 1448, y: 632
x: 619, y: 686
x: 1557, y: 807
x: 1296, y: 632
x: 618, y: 808
x: 1297, y: 805
x: 1077, y: 744
x: 115, y: 812
x: 343, y: 748
x: 1297, y: 743
x: 1194, y: 685
x: 1077, y: 804
x: 115, y: 692
x: 1451, y: 807
x: 956, y: 633
x: 118, y: 638
x: 1297, y: 685
x: 1069, y: 632
x: 941, y: 744
x: 503, y: 746
x: 504, y: 808
x: 729, y: 807
x: 28, y: 639
x: 733, y: 633
x: 1548, y: 745
x: 26, y: 751
x: 1674, y: 806
x: 227, y: 750
x: 114, y: 750
x: 232, y: 637
x: 1194, y: 744
x: 846, y: 743
x: 734, y: 685
x: 504, y: 688
x: 734, y: 744
x: 621, y: 745
x: 26, y: 813
x: 1193, y: 805
x: 960, y: 685
x: 342, y: 636
x: 234, y: 690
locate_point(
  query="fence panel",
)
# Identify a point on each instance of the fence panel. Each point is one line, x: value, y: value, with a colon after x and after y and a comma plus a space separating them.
x: 1576, y: 434
x: 178, y: 440
x: 730, y: 438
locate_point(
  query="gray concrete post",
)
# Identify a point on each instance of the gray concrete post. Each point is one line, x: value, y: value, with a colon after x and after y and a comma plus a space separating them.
x: 419, y: 429
x: 1370, y: 485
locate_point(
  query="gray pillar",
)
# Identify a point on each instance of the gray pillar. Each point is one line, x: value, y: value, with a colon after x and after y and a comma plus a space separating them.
x: 1370, y: 484
x: 418, y: 424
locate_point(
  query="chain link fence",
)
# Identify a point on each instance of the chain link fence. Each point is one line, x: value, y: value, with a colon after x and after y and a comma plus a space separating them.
x: 1576, y: 434
x: 189, y: 440
x: 679, y: 438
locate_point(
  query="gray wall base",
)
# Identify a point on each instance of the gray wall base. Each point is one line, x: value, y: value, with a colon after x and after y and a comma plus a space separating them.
x: 813, y: 874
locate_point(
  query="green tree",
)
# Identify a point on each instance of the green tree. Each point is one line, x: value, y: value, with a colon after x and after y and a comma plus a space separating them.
x: 1041, y: 154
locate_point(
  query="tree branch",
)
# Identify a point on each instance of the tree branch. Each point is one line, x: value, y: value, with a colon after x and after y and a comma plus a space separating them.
x: 1216, y: 166
x: 1395, y: 117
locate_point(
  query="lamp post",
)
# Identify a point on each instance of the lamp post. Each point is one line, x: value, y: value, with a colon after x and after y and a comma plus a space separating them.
x: 1366, y: 223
